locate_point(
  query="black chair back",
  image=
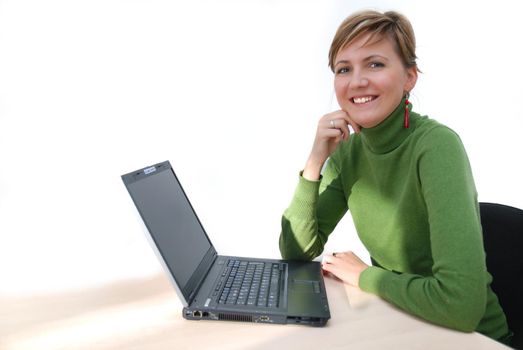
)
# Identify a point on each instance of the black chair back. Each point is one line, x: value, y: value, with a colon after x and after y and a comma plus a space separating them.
x: 503, y: 240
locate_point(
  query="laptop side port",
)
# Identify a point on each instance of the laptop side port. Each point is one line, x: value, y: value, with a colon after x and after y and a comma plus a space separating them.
x: 304, y: 320
x: 197, y: 314
x: 264, y: 319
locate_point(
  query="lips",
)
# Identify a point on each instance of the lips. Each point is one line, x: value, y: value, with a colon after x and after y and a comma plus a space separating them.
x: 363, y: 99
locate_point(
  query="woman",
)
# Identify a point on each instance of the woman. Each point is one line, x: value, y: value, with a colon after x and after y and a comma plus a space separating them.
x: 406, y: 180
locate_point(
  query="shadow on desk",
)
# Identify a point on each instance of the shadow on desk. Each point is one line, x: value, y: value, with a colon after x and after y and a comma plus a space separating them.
x: 146, y: 314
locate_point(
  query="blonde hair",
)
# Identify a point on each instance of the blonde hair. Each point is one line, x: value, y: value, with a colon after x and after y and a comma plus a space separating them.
x: 392, y: 24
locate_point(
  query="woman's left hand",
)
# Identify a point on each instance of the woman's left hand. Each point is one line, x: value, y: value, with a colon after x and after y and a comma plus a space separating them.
x: 346, y: 266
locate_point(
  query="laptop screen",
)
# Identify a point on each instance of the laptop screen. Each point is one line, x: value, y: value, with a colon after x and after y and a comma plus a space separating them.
x: 170, y: 219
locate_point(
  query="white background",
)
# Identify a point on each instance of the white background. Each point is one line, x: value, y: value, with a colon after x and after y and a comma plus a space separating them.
x: 230, y: 92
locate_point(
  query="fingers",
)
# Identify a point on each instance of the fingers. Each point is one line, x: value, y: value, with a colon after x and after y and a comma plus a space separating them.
x: 333, y: 128
x: 330, y: 260
x: 351, y: 122
x: 340, y: 120
x: 338, y: 258
x: 337, y: 121
x: 342, y: 254
x: 340, y: 127
x: 329, y: 266
x: 355, y: 127
x: 345, y: 266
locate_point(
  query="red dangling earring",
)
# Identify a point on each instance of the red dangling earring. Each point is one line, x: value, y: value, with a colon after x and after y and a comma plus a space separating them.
x: 406, y: 116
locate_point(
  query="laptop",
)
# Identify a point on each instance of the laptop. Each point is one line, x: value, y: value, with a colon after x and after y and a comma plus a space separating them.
x: 215, y: 287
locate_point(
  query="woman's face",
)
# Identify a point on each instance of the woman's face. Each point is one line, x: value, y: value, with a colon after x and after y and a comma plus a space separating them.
x: 370, y: 80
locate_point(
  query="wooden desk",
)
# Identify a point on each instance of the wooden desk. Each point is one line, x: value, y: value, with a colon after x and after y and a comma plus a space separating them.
x: 146, y: 314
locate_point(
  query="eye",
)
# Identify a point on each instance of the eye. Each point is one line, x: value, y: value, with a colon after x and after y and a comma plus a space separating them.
x: 376, y: 65
x: 343, y: 70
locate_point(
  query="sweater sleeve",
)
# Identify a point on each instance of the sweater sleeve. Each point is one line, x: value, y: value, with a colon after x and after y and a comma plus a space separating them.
x: 315, y: 210
x: 455, y: 294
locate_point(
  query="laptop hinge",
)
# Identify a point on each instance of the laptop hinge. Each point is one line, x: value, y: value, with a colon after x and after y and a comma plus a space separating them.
x: 193, y: 293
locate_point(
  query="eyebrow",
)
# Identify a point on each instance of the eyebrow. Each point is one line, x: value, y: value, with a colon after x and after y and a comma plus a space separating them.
x: 366, y: 59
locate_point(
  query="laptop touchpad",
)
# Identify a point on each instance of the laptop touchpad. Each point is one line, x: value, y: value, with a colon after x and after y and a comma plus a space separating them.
x: 305, y: 286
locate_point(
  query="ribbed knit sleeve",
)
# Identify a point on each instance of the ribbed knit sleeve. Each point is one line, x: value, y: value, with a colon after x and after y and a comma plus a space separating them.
x: 455, y: 295
x: 315, y: 210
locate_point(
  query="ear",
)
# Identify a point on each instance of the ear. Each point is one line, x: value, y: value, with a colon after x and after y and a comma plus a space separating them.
x: 412, y: 78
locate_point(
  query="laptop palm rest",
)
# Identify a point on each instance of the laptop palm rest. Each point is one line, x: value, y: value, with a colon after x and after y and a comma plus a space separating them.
x: 306, y: 299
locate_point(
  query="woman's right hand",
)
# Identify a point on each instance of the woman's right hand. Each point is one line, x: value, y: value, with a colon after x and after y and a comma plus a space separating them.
x: 332, y: 129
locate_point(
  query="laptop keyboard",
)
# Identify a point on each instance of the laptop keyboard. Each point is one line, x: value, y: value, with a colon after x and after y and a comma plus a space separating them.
x: 250, y: 283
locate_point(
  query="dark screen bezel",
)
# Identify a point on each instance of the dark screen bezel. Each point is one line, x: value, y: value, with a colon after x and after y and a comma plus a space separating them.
x: 188, y: 290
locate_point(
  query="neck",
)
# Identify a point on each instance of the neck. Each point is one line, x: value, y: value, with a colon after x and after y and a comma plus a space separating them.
x: 390, y: 133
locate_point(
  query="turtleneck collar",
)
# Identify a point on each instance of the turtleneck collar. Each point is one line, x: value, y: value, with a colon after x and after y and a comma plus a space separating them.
x: 390, y: 133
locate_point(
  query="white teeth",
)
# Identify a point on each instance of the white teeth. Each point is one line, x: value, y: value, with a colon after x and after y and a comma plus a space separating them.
x: 362, y: 99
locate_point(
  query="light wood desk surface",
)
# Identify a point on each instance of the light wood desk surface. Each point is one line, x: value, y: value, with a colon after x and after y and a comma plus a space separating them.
x: 146, y: 314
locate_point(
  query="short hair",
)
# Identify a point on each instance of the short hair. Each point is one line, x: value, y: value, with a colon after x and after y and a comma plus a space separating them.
x: 392, y: 24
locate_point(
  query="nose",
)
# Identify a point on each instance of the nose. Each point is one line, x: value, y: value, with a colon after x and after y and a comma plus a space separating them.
x: 358, y: 80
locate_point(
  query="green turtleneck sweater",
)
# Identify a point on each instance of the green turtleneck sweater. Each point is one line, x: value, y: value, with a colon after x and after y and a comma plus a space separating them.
x: 414, y: 204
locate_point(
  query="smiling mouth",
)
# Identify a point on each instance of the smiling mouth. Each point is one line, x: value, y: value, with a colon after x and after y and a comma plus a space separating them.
x: 363, y: 99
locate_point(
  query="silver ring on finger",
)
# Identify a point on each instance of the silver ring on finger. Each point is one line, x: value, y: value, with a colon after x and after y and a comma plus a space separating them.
x: 333, y: 124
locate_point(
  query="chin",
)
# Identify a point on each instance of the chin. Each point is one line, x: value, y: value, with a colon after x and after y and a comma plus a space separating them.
x: 368, y: 121
x: 365, y: 122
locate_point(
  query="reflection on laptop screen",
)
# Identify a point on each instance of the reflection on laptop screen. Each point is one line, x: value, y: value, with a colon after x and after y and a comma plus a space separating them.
x: 171, y: 221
